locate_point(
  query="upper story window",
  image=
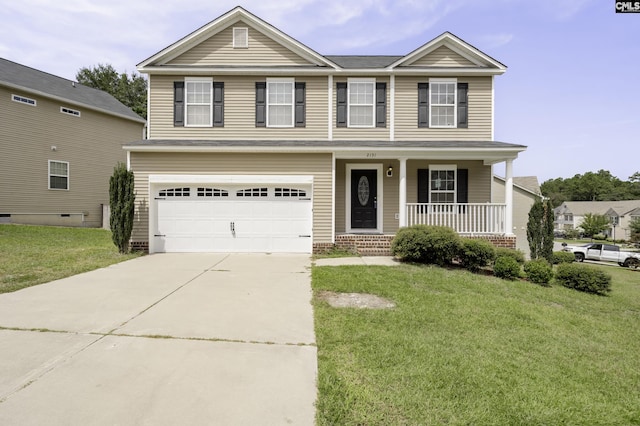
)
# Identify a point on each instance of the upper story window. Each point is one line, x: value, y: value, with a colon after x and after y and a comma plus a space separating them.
x: 198, y: 97
x: 443, y: 103
x: 280, y: 102
x: 362, y: 99
x: 23, y: 100
x: 240, y: 38
x: 58, y: 174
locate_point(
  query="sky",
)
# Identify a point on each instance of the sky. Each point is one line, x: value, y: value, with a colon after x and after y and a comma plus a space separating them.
x: 571, y: 92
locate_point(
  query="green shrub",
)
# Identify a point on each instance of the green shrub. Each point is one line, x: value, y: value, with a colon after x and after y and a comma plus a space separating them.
x: 517, y: 255
x: 476, y: 253
x: 563, y: 257
x: 426, y: 244
x: 599, y: 237
x: 539, y: 271
x: 506, y: 267
x: 583, y: 278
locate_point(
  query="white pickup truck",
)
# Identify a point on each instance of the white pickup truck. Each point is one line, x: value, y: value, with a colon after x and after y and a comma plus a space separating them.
x: 605, y: 253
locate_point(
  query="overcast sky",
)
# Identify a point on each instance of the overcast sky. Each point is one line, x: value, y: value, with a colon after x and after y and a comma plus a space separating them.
x: 571, y: 92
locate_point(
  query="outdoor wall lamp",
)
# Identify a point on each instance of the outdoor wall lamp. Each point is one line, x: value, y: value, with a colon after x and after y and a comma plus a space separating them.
x: 390, y: 172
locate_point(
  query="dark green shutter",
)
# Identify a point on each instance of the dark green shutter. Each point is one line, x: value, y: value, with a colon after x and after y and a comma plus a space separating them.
x: 463, y: 105
x: 423, y: 104
x: 341, y: 109
x: 300, y: 89
x: 218, y: 104
x: 178, y: 103
x: 261, y: 104
x: 381, y: 104
x: 423, y: 185
x: 462, y: 192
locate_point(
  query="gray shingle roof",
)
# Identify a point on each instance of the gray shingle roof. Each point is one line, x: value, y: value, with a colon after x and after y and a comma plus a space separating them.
x: 359, y: 62
x: 31, y: 80
x: 580, y: 208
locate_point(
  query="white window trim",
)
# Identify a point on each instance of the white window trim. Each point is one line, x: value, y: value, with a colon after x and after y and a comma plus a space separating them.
x: 371, y: 81
x: 70, y: 111
x: 49, y: 174
x: 453, y: 81
x: 24, y: 100
x: 237, y: 39
x: 290, y: 81
x: 437, y: 167
x: 188, y: 80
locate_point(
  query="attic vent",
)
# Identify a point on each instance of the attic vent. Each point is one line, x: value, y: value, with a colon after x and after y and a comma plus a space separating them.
x: 69, y: 111
x: 240, y: 38
x: 22, y: 99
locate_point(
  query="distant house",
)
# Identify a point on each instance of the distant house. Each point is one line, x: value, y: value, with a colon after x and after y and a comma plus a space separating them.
x: 526, y: 191
x: 59, y: 143
x: 256, y: 142
x: 570, y: 214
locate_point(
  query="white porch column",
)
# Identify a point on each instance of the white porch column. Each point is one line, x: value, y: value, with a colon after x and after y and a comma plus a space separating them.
x: 403, y: 193
x: 508, y: 197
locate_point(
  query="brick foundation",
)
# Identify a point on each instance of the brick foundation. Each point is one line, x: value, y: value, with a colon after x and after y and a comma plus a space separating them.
x: 380, y: 245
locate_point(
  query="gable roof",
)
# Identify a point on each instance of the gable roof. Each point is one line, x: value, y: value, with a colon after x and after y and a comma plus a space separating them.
x: 236, y: 14
x: 29, y: 80
x: 580, y: 208
x: 526, y: 183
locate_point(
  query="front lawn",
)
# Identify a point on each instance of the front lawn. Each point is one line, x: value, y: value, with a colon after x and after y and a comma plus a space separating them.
x: 466, y: 349
x: 31, y: 255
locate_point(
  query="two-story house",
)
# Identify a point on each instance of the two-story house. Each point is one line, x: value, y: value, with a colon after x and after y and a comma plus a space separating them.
x: 258, y: 143
x: 59, y: 143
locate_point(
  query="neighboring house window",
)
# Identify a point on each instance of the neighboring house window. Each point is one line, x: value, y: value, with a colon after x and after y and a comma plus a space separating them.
x: 361, y: 103
x: 280, y: 102
x: 70, y: 111
x: 58, y: 174
x: 240, y: 38
x: 23, y: 100
x: 443, y: 104
x: 198, y: 102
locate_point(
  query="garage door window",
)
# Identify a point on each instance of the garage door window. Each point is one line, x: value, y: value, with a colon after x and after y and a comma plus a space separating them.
x: 252, y: 192
x: 290, y: 192
x: 175, y: 192
x: 212, y: 192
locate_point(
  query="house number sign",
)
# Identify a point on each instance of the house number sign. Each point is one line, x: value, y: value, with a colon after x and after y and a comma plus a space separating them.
x: 363, y: 190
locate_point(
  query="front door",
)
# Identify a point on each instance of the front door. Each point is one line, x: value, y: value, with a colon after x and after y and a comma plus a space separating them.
x: 364, y: 199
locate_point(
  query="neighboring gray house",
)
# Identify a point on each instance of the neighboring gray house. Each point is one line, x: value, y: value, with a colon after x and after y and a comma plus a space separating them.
x: 569, y: 215
x: 59, y: 143
x: 526, y: 191
x: 258, y: 143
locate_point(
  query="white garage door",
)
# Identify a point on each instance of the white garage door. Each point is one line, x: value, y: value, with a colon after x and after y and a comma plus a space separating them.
x: 227, y: 218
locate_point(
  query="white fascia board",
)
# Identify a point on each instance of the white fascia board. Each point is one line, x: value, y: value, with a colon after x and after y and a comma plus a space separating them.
x: 262, y: 71
x: 231, y: 179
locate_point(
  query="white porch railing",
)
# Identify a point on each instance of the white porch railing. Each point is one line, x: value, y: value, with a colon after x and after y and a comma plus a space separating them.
x: 468, y: 218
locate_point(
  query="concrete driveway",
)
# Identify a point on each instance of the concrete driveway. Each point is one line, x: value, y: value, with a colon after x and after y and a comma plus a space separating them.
x: 164, y: 339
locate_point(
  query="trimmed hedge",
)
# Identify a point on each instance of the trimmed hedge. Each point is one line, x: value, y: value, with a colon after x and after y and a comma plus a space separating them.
x: 517, y: 255
x: 506, y: 267
x: 426, y: 244
x: 583, y: 278
x: 539, y: 271
x: 476, y: 253
x: 563, y: 257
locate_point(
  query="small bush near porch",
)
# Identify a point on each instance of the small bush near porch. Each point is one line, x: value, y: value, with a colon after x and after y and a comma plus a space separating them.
x: 461, y: 348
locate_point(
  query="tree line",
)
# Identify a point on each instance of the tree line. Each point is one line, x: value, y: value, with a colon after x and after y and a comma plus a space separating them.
x: 598, y: 186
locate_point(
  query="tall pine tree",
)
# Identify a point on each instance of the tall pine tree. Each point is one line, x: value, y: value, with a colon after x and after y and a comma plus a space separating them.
x: 121, y: 201
x: 540, y: 230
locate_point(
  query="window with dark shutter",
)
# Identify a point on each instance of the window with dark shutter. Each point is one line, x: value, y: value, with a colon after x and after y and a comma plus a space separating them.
x: 261, y: 104
x: 462, y: 184
x: 178, y: 103
x: 300, y: 113
x: 218, y: 104
x: 423, y: 185
x: 463, y: 106
x: 381, y: 104
x: 341, y: 108
x: 423, y: 104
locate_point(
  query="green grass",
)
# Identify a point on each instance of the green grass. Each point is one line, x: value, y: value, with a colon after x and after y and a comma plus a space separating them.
x: 31, y: 255
x: 469, y: 349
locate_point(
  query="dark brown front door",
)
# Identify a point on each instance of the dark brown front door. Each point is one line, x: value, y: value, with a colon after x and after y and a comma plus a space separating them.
x: 364, y: 199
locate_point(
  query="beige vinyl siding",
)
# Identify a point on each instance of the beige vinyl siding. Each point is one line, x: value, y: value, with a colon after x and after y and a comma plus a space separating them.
x: 318, y: 165
x: 356, y: 133
x: 91, y: 144
x: 479, y: 111
x: 443, y: 57
x: 218, y: 50
x: 239, y: 111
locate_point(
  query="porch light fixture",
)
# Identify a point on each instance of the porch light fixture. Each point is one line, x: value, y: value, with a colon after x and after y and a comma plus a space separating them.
x: 390, y: 171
